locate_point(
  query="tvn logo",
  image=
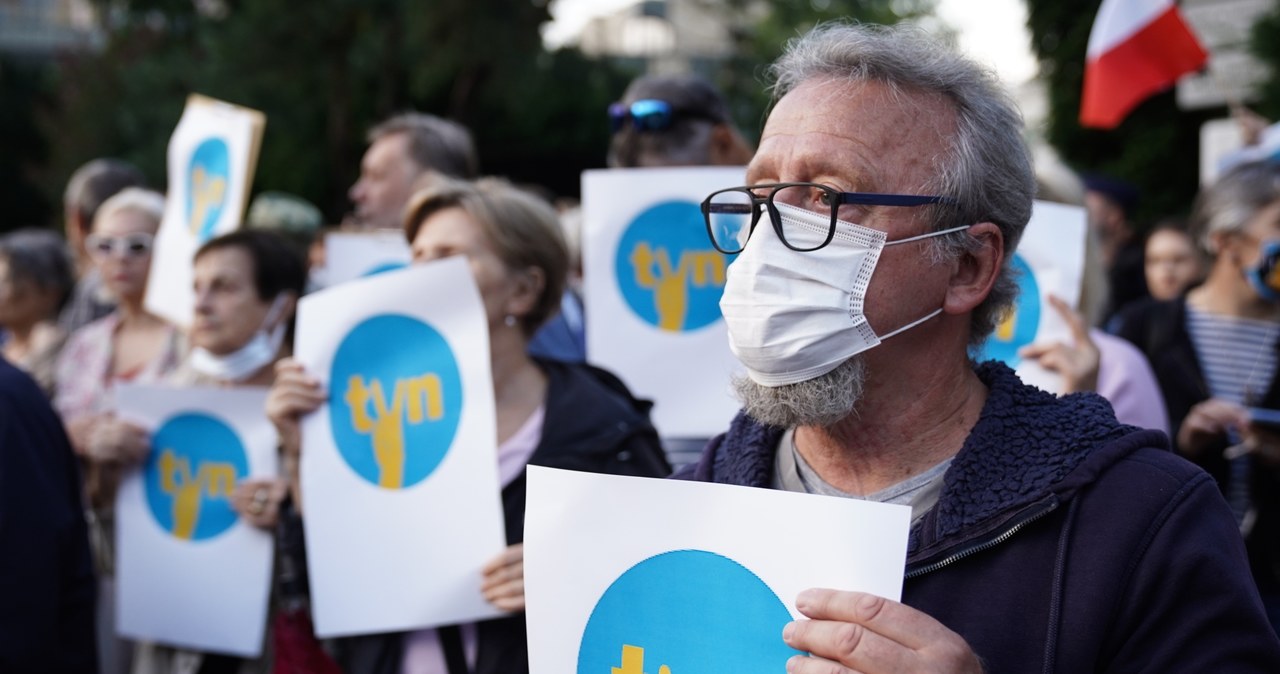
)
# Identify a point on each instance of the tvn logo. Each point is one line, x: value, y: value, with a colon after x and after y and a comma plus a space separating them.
x: 208, y: 178
x: 685, y: 612
x: 398, y: 400
x: 190, y: 479
x: 667, y: 270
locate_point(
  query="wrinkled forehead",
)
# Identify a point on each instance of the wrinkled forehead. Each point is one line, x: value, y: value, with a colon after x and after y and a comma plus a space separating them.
x: 877, y: 137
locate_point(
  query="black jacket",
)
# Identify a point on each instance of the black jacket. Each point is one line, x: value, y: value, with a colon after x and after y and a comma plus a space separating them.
x: 1064, y: 541
x: 1159, y: 329
x: 592, y: 423
x: 46, y: 576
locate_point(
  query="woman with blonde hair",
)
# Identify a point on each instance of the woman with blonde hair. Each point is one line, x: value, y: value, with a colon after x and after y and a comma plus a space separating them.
x: 129, y: 344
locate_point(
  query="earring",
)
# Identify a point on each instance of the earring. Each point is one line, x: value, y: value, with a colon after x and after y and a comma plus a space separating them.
x: 510, y: 321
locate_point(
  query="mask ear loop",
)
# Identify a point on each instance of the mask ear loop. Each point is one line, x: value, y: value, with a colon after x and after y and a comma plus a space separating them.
x: 927, y: 235
x: 275, y: 334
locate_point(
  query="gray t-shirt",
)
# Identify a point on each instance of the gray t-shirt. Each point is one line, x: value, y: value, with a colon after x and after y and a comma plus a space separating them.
x: 792, y: 473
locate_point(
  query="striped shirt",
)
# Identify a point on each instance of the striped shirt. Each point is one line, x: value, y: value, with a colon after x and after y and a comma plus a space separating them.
x: 1237, y: 355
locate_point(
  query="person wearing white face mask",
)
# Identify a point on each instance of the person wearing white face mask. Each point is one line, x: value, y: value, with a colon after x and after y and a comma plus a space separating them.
x: 247, y: 284
x: 889, y: 190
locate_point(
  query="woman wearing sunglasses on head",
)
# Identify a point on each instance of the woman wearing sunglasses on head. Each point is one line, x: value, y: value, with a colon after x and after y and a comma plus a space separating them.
x: 128, y: 344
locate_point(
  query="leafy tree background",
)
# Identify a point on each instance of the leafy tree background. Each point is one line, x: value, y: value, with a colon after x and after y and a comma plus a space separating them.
x: 1156, y: 147
x: 324, y: 71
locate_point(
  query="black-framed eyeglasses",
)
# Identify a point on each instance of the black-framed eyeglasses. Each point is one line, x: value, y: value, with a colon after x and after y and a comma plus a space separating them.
x: 649, y: 114
x: 732, y: 214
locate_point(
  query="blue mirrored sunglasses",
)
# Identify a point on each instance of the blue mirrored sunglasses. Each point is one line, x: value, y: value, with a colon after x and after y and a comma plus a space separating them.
x: 648, y: 114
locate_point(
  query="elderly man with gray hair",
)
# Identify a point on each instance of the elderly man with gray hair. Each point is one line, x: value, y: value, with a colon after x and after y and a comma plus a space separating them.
x: 403, y: 150
x: 874, y: 236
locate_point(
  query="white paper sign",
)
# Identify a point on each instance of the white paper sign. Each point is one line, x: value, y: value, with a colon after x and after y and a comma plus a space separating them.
x: 212, y: 156
x: 191, y: 573
x: 629, y: 574
x: 652, y: 292
x: 1049, y: 261
x: 353, y: 255
x: 399, y: 470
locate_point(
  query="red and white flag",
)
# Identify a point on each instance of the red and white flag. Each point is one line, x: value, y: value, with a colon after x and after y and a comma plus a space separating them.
x: 1136, y: 48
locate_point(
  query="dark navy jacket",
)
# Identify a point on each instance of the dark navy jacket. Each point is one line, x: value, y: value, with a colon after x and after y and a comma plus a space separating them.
x: 46, y: 577
x: 1066, y: 542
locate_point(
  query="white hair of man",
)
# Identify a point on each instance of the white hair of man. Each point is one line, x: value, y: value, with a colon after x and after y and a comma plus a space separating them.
x: 986, y: 172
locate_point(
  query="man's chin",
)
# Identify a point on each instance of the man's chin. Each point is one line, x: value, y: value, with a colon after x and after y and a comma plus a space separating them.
x: 821, y: 401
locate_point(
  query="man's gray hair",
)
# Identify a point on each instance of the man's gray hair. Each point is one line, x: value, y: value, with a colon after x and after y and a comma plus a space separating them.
x: 97, y: 181
x: 1229, y: 204
x: 41, y: 258
x: 987, y: 169
x: 434, y: 143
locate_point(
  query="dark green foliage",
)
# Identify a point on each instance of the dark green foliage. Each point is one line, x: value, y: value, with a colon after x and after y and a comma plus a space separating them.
x: 324, y: 71
x: 1156, y: 147
x: 25, y: 89
x: 1265, y: 45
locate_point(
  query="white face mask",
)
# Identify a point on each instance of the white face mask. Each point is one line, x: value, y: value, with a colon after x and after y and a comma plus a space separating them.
x: 242, y: 363
x: 792, y: 315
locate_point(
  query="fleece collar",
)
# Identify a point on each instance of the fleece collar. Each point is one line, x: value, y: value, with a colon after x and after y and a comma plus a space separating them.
x: 1021, y: 450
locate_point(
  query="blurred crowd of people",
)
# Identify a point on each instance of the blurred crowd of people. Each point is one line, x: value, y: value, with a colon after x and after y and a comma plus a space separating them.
x: 1177, y: 329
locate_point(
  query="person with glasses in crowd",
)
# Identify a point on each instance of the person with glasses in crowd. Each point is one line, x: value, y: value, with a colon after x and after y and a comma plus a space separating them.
x: 129, y: 344
x: 874, y: 238
x: 549, y: 413
x: 35, y: 279
x: 1214, y: 351
x: 90, y: 187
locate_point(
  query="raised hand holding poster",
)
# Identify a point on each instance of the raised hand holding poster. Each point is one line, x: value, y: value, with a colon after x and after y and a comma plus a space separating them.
x: 191, y: 573
x: 627, y: 575
x: 399, y: 469
x: 212, y: 157
x: 352, y: 255
x: 653, y: 283
x: 1049, y: 261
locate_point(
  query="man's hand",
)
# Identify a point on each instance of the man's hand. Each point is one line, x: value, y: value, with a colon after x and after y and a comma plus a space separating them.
x: 503, y: 584
x: 293, y: 394
x: 859, y: 633
x: 1077, y: 363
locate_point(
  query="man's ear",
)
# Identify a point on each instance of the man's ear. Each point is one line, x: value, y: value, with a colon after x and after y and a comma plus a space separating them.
x: 977, y: 270
x: 728, y: 147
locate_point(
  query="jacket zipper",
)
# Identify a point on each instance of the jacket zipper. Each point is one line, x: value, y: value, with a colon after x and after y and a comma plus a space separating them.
x: 988, y: 543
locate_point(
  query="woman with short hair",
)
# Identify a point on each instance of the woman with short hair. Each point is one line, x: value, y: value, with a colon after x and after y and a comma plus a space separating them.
x: 36, y: 277
x: 548, y: 413
x: 1214, y: 352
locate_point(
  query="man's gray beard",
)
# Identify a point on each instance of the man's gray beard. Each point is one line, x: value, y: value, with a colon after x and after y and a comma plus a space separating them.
x: 821, y: 401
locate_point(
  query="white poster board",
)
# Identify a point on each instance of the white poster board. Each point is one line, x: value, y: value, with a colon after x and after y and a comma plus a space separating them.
x: 190, y: 572
x: 353, y: 255
x: 1049, y: 261
x: 652, y: 284
x: 212, y: 157
x: 399, y: 470
x: 623, y: 572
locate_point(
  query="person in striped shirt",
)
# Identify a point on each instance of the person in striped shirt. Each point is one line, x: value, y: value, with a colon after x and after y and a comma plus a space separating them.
x: 1214, y: 351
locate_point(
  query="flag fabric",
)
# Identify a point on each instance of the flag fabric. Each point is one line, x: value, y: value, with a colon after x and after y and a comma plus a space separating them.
x: 1136, y: 48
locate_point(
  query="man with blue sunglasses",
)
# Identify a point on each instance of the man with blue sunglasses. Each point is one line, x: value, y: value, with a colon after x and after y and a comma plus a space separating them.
x: 674, y: 120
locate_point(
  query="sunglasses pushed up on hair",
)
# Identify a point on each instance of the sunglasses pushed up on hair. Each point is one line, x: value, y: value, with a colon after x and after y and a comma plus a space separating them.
x: 137, y: 244
x: 650, y: 114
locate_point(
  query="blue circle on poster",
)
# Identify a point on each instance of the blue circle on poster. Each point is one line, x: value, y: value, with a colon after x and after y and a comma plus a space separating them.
x: 395, y: 400
x: 190, y: 474
x: 208, y: 180
x: 383, y: 268
x: 669, y: 273
x: 686, y: 611
x: 1019, y: 327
